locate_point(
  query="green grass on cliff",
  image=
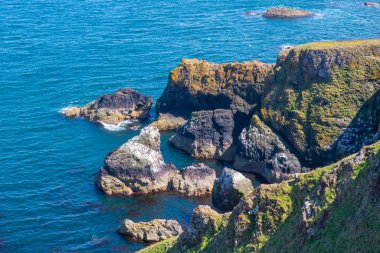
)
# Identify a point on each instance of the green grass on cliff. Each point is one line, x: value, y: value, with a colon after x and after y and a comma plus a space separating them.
x: 338, y: 44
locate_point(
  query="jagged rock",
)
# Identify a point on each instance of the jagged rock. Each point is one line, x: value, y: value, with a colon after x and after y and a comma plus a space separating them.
x: 197, y: 85
x: 194, y: 180
x: 72, y: 112
x: 283, y: 12
x: 371, y: 4
x: 208, y: 134
x: 229, y: 188
x: 124, y: 104
x: 153, y: 231
x: 264, y: 153
x: 139, y: 163
x: 318, y: 90
x: 111, y: 185
x: 204, y: 220
x: 166, y: 121
x: 138, y: 167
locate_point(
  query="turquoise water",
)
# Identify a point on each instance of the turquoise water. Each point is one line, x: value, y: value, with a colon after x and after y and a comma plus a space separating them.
x: 54, y: 54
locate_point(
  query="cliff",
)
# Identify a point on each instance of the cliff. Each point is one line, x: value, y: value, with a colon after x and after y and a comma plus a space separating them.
x: 330, y: 209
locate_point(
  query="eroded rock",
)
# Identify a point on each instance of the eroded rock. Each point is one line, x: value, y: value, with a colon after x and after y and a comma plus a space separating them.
x: 283, y: 12
x: 72, y: 112
x: 263, y: 152
x: 166, y: 121
x: 229, y: 188
x: 152, y: 231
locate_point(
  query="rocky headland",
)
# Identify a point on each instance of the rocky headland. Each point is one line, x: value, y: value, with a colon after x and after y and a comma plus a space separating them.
x: 124, y: 104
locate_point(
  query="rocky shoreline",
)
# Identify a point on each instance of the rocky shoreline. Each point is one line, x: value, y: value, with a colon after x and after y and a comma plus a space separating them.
x: 318, y: 104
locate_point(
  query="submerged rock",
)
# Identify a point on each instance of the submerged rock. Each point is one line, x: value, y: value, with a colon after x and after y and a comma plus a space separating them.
x: 153, y: 231
x: 283, y: 12
x: 229, y: 188
x: 263, y: 152
x: 166, y: 121
x: 197, y: 85
x: 194, y: 180
x: 208, y: 134
x: 319, y: 91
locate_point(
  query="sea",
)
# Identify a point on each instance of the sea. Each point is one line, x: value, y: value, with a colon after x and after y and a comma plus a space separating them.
x: 56, y: 54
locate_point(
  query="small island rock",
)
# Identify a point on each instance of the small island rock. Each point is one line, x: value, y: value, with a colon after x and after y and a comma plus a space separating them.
x: 153, y: 231
x: 371, y: 4
x: 283, y: 12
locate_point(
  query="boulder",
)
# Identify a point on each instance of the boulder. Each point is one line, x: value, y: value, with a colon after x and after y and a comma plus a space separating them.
x: 194, y: 180
x: 318, y: 92
x: 229, y: 188
x: 111, y: 185
x: 153, y: 231
x: 263, y: 152
x: 139, y: 163
x: 124, y: 104
x: 371, y: 4
x: 283, y: 12
x: 166, y: 122
x: 72, y: 112
x: 208, y: 135
x: 197, y: 85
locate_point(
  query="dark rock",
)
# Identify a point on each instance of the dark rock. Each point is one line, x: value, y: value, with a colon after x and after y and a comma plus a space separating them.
x: 208, y: 134
x: 264, y: 153
x: 229, y: 188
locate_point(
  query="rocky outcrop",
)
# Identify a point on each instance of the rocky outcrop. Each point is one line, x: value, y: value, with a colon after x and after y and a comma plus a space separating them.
x: 318, y: 90
x: 138, y: 167
x: 166, y: 122
x: 153, y: 231
x: 330, y: 208
x: 197, y: 85
x: 263, y: 152
x: 72, y: 112
x: 208, y: 134
x: 124, y: 104
x: 194, y: 180
x: 371, y: 4
x: 203, y: 221
x: 283, y: 12
x: 229, y: 188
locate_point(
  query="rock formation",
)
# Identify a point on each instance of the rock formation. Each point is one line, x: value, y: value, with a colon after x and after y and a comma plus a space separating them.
x: 138, y: 167
x: 153, y: 231
x: 197, y: 85
x: 318, y: 90
x: 283, y: 12
x: 263, y: 152
x: 371, y: 4
x: 166, y: 121
x: 229, y: 188
x: 124, y: 104
x: 194, y: 180
x: 208, y: 134
x: 330, y: 208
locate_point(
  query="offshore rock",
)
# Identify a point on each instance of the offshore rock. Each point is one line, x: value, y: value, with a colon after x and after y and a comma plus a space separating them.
x: 208, y: 135
x: 124, y: 104
x: 153, y: 231
x: 229, y: 188
x: 283, y: 12
x: 166, y: 122
x: 319, y: 92
x: 194, y: 180
x: 264, y: 153
x: 371, y: 4
x: 197, y: 85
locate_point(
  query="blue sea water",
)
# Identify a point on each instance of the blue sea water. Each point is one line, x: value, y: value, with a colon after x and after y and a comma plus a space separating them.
x: 54, y: 54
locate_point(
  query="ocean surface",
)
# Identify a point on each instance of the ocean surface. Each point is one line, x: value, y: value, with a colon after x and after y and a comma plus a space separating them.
x: 54, y: 54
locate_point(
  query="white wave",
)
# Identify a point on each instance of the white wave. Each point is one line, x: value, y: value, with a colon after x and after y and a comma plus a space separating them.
x: 286, y: 47
x: 127, y: 124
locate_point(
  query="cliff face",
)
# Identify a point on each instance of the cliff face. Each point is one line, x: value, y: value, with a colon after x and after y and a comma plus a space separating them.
x: 330, y: 209
x: 319, y: 91
x: 200, y: 85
